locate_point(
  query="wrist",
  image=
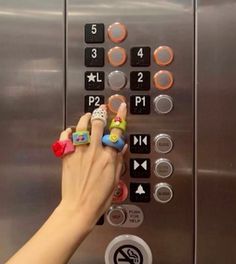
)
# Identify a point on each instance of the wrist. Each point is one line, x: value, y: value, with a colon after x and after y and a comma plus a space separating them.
x: 75, y: 218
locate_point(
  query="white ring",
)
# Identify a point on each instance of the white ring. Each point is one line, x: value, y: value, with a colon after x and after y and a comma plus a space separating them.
x: 100, y: 114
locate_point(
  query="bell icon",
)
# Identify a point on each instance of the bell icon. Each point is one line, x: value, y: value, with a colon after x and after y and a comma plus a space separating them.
x: 140, y: 190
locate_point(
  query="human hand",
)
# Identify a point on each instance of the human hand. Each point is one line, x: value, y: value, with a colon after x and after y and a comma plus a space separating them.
x: 91, y: 173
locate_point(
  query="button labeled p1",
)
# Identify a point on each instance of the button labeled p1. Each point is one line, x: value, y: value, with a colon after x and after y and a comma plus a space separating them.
x: 140, y: 104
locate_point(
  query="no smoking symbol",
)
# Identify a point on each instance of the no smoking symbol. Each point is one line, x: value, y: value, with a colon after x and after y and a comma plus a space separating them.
x: 128, y: 254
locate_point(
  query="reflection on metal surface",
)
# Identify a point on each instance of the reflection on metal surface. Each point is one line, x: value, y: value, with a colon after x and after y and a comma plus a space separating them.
x: 31, y: 107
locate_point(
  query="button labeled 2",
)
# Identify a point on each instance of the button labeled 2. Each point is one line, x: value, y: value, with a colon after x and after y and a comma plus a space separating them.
x: 92, y: 102
x: 140, y: 80
x: 140, y: 104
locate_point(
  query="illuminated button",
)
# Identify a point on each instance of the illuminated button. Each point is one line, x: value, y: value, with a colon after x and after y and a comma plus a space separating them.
x: 116, y: 216
x: 117, y: 56
x: 115, y: 101
x: 128, y: 249
x: 163, y: 193
x: 163, y: 80
x: 163, y: 168
x: 163, y: 143
x: 120, y: 193
x: 163, y: 104
x: 117, y: 32
x: 117, y: 80
x: 163, y: 55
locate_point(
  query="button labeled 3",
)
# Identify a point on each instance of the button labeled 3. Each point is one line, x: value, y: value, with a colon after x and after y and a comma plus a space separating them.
x: 117, y: 56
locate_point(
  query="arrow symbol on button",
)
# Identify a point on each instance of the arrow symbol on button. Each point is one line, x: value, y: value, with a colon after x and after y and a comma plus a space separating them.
x: 136, y: 165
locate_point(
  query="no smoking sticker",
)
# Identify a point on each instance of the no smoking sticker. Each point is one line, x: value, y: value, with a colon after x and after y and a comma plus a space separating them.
x: 128, y: 254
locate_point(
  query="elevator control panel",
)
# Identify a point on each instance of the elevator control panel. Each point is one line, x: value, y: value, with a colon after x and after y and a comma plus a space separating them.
x: 141, y: 55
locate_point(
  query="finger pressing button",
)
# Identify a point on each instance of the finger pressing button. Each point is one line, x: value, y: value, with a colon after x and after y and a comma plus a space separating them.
x: 117, y: 32
x: 163, y: 55
x: 163, y: 80
x: 117, y: 56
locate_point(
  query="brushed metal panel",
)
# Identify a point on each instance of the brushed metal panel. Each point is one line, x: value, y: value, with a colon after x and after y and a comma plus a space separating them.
x: 216, y: 132
x: 31, y: 115
x: 168, y: 229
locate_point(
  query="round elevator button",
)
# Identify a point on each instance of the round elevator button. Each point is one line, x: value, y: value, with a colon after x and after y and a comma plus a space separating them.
x: 117, y: 56
x: 163, y: 104
x: 163, y: 168
x: 117, y: 80
x: 128, y: 249
x: 163, y: 143
x: 163, y: 193
x: 120, y: 193
x: 163, y: 80
x: 116, y: 215
x: 163, y: 55
x: 117, y: 32
x: 114, y: 102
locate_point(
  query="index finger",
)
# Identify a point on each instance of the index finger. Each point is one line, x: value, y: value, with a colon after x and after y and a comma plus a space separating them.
x: 122, y: 113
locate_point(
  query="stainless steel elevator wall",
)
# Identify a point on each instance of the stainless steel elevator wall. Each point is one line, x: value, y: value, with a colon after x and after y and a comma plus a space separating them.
x: 216, y: 132
x: 31, y: 115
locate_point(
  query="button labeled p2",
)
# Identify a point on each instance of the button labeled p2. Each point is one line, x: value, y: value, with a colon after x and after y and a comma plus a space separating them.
x: 140, y: 104
x: 92, y: 102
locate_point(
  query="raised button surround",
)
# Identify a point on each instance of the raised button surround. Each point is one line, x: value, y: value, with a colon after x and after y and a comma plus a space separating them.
x: 163, y: 168
x: 117, y: 80
x: 163, y: 80
x: 116, y: 215
x: 117, y: 32
x: 163, y: 55
x: 163, y: 143
x: 163, y: 193
x: 115, y: 101
x: 124, y: 248
x: 163, y: 104
x: 117, y: 56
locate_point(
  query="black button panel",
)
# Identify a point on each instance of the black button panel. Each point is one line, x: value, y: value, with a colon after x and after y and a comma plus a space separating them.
x: 140, y: 192
x: 140, y: 143
x: 140, y: 80
x: 140, y: 104
x: 94, y: 57
x: 140, y: 168
x: 94, y: 80
x: 94, y: 33
x: 92, y: 102
x: 140, y: 56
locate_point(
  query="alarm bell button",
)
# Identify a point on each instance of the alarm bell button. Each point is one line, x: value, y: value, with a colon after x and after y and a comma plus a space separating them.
x: 117, y: 32
x: 117, y: 56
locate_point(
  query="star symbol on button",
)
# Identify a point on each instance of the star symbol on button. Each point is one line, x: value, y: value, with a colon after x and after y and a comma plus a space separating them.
x: 91, y: 77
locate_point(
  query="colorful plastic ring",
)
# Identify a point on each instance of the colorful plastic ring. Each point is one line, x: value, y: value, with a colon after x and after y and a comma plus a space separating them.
x: 118, y: 122
x: 100, y: 114
x: 61, y: 148
x: 114, y: 141
x: 81, y: 138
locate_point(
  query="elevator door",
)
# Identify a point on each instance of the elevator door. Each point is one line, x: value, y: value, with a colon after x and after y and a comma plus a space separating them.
x: 143, y: 51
